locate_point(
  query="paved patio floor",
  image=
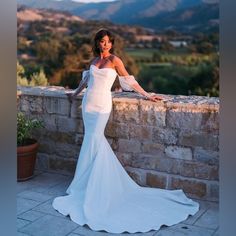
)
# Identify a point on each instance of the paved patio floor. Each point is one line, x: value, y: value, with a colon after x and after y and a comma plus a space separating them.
x: 37, y: 217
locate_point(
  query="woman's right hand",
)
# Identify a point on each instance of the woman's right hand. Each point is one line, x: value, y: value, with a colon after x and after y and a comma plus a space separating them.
x: 154, y: 98
x: 71, y: 96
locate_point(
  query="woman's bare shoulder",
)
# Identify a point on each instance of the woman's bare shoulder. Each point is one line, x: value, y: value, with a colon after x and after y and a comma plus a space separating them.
x: 116, y: 60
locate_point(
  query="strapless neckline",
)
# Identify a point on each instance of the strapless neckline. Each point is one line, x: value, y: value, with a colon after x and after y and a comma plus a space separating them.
x: 104, y: 68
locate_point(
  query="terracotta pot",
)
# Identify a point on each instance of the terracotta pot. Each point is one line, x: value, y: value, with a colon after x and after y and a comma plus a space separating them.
x: 26, y: 158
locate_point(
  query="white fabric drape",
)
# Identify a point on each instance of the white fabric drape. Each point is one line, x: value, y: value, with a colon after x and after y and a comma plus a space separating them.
x: 127, y: 82
x: 85, y: 76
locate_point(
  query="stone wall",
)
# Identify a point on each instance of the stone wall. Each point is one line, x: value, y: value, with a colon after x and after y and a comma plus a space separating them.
x: 169, y: 144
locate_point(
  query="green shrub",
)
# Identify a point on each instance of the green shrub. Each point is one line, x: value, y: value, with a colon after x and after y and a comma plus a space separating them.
x: 25, y: 127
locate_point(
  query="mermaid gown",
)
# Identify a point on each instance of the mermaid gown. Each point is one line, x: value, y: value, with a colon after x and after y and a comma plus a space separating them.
x: 102, y: 194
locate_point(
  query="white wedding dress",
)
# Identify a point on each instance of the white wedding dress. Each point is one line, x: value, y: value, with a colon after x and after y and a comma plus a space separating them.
x: 102, y: 194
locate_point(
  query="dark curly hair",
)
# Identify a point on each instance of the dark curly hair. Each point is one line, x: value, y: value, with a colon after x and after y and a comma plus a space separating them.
x: 97, y: 38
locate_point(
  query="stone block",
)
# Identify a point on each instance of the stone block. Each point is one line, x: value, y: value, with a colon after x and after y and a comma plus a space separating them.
x: 126, y: 112
x: 50, y: 122
x: 63, y: 164
x: 127, y: 146
x: 115, y: 130
x: 181, y: 118
x: 76, y: 109
x: 66, y: 124
x: 79, y: 139
x: 31, y: 104
x: 80, y: 126
x: 56, y: 105
x: 210, y: 122
x: 165, y: 135
x: 206, y: 156
x: 47, y: 146
x: 193, y: 187
x: 213, y: 190
x: 58, y: 136
x: 200, y: 139
x: 140, y: 132
x: 66, y: 150
x: 147, y: 162
x: 152, y: 148
x: 156, y: 180
x: 42, y: 161
x: 199, y: 170
x: 152, y: 114
x: 113, y: 143
x: 124, y: 158
x: 178, y: 152
x: 138, y: 175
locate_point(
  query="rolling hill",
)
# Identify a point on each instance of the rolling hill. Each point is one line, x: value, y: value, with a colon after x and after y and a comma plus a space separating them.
x: 183, y: 15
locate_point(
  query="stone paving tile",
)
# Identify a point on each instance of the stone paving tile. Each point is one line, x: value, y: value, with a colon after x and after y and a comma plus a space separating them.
x: 35, y: 211
x: 49, y: 226
x: 59, y: 189
x: 29, y: 194
x: 31, y: 215
x: 47, y: 208
x: 21, y: 223
x: 217, y: 232
x: 44, y: 181
x: 210, y: 219
x: 25, y: 205
x: 204, y: 206
x: 86, y: 231
x: 184, y: 229
x: 22, y: 234
x: 22, y: 186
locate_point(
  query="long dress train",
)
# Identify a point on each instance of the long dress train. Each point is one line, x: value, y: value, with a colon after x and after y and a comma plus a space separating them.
x: 102, y: 194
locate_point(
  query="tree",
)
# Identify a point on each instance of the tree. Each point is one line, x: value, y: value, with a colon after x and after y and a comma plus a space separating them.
x: 166, y: 46
x: 20, y: 72
x: 38, y: 79
x: 205, y: 47
x: 206, y: 81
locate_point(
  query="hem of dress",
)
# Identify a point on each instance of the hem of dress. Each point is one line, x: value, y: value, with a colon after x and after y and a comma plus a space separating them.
x: 106, y: 228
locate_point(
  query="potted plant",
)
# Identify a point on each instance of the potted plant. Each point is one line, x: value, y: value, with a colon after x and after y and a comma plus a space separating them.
x: 26, y: 146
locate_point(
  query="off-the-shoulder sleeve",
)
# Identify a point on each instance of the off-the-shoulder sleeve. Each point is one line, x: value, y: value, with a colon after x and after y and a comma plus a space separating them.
x: 85, y: 76
x: 127, y: 82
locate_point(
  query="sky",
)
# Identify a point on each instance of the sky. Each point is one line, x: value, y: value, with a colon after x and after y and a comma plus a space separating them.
x: 87, y: 1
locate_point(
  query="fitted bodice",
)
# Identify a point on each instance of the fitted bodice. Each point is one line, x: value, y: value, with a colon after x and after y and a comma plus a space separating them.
x: 101, y: 80
x: 98, y: 97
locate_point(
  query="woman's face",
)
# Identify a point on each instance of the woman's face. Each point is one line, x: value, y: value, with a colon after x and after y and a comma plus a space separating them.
x: 105, y: 44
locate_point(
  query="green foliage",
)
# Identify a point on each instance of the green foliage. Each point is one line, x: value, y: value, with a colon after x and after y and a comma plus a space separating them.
x: 38, y: 79
x: 25, y: 127
x: 163, y: 68
x: 20, y: 71
x: 206, y: 81
x: 167, y: 79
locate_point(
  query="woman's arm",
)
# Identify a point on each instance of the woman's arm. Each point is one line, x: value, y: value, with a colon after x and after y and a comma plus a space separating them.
x: 83, y: 83
x: 121, y: 70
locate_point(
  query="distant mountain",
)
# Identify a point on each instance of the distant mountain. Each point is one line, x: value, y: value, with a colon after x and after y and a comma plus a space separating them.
x: 156, y: 14
x: 203, y: 17
x: 25, y: 14
x: 64, y: 5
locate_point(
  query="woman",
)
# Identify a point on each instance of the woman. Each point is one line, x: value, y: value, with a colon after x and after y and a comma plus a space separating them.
x: 102, y: 194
